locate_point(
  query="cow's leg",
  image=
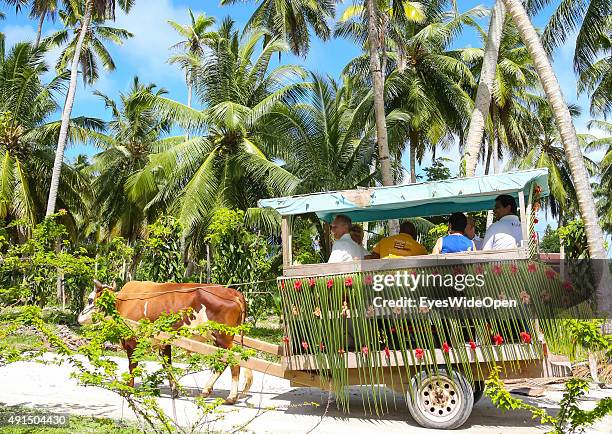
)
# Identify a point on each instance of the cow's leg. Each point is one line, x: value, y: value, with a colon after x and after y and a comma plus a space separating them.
x: 248, y: 381
x: 166, y: 353
x: 129, y: 347
x: 207, y: 390
x: 233, y: 396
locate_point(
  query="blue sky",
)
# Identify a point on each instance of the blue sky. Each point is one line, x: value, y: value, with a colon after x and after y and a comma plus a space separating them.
x: 147, y: 52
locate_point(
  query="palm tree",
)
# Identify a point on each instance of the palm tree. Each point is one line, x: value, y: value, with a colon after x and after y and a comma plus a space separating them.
x: 93, y: 51
x: 510, y: 119
x: 136, y: 131
x: 596, y: 78
x: 544, y: 150
x: 485, y: 88
x: 197, y: 37
x: 98, y: 9
x: 26, y: 137
x: 230, y: 164
x: 291, y: 20
x: 43, y: 9
x: 604, y: 186
x: 563, y: 120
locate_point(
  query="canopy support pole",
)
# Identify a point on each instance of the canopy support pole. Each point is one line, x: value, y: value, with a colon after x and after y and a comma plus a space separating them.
x: 287, y: 241
x: 524, y: 224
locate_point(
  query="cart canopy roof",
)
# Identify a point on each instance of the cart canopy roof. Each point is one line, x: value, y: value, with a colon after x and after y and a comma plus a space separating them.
x: 413, y: 200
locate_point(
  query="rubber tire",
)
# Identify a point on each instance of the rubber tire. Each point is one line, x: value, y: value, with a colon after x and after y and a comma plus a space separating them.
x: 461, y: 384
x: 479, y: 388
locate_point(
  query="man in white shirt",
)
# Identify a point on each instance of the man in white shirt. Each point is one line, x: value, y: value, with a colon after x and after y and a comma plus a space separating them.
x: 506, y: 232
x: 344, y: 248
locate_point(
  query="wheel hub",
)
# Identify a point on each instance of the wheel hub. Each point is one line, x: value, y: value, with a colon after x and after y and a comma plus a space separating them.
x: 439, y: 398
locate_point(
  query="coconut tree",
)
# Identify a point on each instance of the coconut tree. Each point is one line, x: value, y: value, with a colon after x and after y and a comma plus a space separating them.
x: 230, y: 162
x: 26, y: 137
x: 603, y: 188
x: 97, y: 9
x: 563, y: 121
x: 596, y: 78
x: 292, y: 20
x: 94, y: 51
x: 135, y: 132
x: 43, y: 9
x: 196, y: 36
x: 544, y: 150
x: 485, y: 88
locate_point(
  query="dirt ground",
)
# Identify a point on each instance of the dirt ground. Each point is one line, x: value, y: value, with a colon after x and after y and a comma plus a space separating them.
x: 273, y: 406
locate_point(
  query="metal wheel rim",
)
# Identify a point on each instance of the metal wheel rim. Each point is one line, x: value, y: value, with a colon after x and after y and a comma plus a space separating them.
x: 439, y: 399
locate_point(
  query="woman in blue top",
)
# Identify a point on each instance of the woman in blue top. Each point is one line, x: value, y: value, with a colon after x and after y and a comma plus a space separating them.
x: 455, y: 241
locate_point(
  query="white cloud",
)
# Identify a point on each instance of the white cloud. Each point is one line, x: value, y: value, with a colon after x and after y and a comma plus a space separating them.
x: 17, y: 33
x: 148, y: 50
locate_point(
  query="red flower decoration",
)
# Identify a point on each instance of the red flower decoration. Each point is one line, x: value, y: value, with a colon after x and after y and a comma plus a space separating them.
x: 550, y: 273
x: 330, y: 283
x: 472, y: 344
x: 497, y: 269
x: 513, y: 268
x: 445, y: 347
x: 532, y: 267
x: 364, y: 350
x: 368, y: 279
x: 321, y: 346
x: 458, y: 270
x: 286, y: 339
x: 297, y: 285
x: 535, y: 221
x: 568, y: 286
x: 312, y: 282
x: 392, y: 330
x: 478, y: 269
x: 434, y: 272
x: 538, y: 189
x: 498, y: 339
x: 348, y: 281
x: 305, y: 345
x: 387, y: 352
x: 282, y: 284
x: 526, y: 337
x: 418, y: 352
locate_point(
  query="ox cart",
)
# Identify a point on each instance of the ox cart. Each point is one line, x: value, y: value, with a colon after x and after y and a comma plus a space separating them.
x: 340, y: 332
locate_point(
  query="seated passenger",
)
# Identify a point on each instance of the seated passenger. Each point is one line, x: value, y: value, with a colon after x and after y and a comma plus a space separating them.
x: 344, y: 248
x: 506, y: 232
x: 402, y: 244
x: 356, y: 232
x: 455, y: 241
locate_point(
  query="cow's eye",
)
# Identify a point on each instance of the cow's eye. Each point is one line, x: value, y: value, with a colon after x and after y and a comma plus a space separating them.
x: 90, y: 300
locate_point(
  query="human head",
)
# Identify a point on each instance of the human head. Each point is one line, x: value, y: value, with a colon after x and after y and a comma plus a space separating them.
x: 357, y: 233
x: 457, y: 222
x: 408, y: 228
x: 470, y: 229
x: 340, y: 226
x: 504, y: 205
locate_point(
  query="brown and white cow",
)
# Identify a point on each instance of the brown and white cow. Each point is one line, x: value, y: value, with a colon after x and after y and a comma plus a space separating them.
x: 138, y: 300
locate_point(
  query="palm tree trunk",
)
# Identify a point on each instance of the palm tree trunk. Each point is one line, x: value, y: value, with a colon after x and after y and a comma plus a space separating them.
x: 485, y: 88
x: 63, y: 135
x: 563, y: 121
x: 495, y: 149
x: 414, y: 145
x: 379, y: 103
x: 39, y: 30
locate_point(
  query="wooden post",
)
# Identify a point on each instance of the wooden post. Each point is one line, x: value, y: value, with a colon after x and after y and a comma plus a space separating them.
x: 524, y: 223
x: 286, y: 238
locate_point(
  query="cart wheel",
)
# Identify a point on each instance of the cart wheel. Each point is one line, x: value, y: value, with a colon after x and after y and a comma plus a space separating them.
x: 479, y: 388
x: 440, y: 400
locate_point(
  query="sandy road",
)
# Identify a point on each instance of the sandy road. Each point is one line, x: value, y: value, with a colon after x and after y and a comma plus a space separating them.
x: 272, y: 406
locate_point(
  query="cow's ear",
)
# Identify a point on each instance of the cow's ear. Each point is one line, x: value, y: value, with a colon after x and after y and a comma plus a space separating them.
x: 98, y: 285
x: 114, y: 288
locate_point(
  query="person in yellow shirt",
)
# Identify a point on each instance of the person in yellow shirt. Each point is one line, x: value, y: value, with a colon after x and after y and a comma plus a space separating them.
x: 402, y: 244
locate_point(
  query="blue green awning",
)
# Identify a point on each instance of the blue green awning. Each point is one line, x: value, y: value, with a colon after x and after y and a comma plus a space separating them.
x: 413, y: 200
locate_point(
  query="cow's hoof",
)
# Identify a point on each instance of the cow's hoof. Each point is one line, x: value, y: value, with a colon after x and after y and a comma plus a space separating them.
x: 205, y: 393
x: 231, y: 400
